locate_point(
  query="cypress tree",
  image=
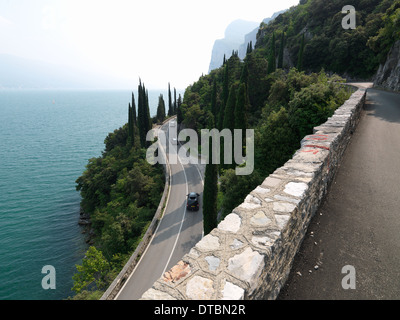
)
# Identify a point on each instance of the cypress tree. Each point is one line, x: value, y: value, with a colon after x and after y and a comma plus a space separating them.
x: 141, y: 116
x: 161, y: 109
x: 144, y: 121
x: 272, y: 56
x: 130, y: 120
x: 241, y: 107
x: 225, y: 85
x: 214, y: 110
x: 245, y: 74
x: 229, y: 118
x: 210, y: 214
x: 133, y: 120
x: 175, y: 106
x: 170, y: 107
x: 301, y: 54
x: 149, y: 124
x: 281, y: 49
x: 179, y: 116
x: 229, y: 123
x: 249, y: 48
x: 225, y: 95
x: 134, y: 110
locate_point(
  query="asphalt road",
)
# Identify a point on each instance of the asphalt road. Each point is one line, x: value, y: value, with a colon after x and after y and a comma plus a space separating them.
x: 359, y: 222
x: 178, y: 231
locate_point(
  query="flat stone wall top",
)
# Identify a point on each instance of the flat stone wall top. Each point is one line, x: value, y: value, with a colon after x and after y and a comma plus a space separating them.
x: 250, y: 254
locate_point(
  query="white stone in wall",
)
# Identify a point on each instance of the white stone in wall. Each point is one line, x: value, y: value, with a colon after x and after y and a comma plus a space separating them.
x: 232, y: 292
x: 236, y: 244
x: 271, y: 182
x: 260, y: 219
x: 199, y: 288
x: 262, y: 241
x: 193, y: 253
x: 231, y: 223
x: 284, y: 207
x: 153, y: 294
x: 296, y: 189
x: 208, y: 243
x: 247, y: 266
x: 281, y: 220
x: 213, y: 262
x: 261, y: 190
x: 287, y: 199
x: 251, y: 202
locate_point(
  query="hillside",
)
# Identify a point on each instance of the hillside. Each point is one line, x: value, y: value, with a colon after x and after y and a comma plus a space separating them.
x: 355, y: 54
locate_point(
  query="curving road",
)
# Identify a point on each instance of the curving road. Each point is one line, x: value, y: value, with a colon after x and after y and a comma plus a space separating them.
x: 179, y: 230
x: 358, y: 224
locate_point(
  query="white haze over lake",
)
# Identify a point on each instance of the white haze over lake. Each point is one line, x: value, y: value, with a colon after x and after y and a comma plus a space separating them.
x: 160, y: 41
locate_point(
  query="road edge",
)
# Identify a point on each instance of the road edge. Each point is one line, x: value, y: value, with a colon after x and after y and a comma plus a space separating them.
x: 113, y: 290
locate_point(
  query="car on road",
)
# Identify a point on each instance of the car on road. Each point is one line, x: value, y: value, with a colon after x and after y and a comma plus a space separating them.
x: 193, y: 201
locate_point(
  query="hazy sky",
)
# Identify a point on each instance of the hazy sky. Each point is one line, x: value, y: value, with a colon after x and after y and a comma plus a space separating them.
x: 159, y: 41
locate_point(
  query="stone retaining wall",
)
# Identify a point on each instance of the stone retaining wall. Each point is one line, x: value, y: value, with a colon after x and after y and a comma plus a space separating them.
x: 250, y: 254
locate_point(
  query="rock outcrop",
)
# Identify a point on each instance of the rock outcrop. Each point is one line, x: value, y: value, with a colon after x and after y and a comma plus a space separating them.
x: 388, y: 75
x: 237, y: 36
x: 234, y: 37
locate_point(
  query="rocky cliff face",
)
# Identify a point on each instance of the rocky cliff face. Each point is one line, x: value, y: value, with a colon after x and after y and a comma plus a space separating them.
x: 388, y: 75
x: 237, y: 36
x: 234, y: 37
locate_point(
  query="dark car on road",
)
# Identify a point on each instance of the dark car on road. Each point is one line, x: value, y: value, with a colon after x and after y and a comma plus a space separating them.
x: 193, y: 201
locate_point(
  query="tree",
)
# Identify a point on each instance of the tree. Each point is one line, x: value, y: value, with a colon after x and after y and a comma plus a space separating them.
x: 144, y: 121
x: 229, y: 118
x: 174, y: 105
x: 134, y: 110
x: 241, y: 108
x: 249, y: 48
x: 179, y: 116
x: 170, y: 106
x: 161, y: 109
x: 301, y: 55
x: 214, y: 110
x: 281, y: 49
x: 130, y: 122
x: 92, y: 272
x: 210, y: 192
x: 225, y: 95
x: 275, y: 142
x: 272, y: 55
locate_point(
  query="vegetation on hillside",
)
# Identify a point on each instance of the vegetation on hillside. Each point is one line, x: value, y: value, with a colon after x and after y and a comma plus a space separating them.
x: 282, y: 107
x: 354, y: 53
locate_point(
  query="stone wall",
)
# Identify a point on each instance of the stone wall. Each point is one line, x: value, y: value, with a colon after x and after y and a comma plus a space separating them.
x: 250, y: 254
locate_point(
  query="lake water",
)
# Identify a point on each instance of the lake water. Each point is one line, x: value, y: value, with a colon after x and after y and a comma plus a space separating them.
x: 46, y: 139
